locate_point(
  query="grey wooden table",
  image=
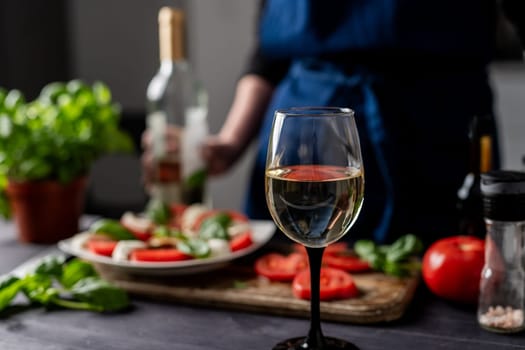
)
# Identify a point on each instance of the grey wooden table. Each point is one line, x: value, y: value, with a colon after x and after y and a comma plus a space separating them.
x: 428, y: 324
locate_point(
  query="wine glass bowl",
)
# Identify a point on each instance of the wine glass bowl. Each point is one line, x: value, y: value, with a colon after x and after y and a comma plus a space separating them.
x: 314, y: 192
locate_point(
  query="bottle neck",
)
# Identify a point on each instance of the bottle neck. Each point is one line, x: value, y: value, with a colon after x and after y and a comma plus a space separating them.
x: 168, y: 66
x: 481, y: 145
x: 171, y: 35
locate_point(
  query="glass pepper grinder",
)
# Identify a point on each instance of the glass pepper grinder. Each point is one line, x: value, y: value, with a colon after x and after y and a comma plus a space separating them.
x: 502, y: 287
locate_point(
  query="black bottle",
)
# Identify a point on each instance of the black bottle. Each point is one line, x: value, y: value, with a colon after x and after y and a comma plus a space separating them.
x: 469, y: 201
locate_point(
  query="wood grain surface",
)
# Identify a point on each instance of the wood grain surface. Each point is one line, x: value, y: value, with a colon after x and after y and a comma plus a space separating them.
x: 383, y: 298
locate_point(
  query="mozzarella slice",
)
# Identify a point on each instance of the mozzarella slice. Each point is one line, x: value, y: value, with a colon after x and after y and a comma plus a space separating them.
x: 190, y: 215
x: 238, y: 228
x: 124, y: 248
x: 136, y: 223
x: 78, y: 241
x: 218, y: 247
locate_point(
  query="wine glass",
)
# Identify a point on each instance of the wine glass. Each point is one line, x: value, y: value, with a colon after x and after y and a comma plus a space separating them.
x: 314, y: 190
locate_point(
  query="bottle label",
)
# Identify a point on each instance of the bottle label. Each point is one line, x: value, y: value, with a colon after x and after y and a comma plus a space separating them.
x: 157, y: 123
x: 193, y: 136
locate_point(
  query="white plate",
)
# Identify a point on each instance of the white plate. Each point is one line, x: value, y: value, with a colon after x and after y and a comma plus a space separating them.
x: 262, y: 231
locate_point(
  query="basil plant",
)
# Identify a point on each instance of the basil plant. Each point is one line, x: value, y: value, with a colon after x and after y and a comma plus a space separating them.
x: 58, y: 135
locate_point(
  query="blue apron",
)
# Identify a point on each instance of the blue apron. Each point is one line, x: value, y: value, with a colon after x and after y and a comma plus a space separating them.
x: 294, y: 27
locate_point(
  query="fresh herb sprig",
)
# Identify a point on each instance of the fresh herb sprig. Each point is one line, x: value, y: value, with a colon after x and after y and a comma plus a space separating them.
x: 73, y: 285
x: 396, y: 259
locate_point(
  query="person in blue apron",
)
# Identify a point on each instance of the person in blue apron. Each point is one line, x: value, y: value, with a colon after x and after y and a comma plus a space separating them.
x: 414, y: 72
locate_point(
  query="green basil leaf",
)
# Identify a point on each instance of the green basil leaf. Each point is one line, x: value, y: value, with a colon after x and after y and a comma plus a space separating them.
x: 158, y: 211
x: 35, y: 287
x: 111, y: 228
x: 404, y: 247
x: 101, y: 295
x: 9, y: 288
x: 13, y: 100
x: 51, y: 91
x: 102, y: 93
x: 195, y: 247
x: 215, y: 227
x: 212, y: 229
x: 365, y: 248
x: 76, y: 270
x: 50, y: 265
x: 161, y: 231
x: 196, y: 179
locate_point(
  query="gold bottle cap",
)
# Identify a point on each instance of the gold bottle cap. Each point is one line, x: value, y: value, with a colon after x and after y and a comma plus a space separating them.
x: 171, y: 34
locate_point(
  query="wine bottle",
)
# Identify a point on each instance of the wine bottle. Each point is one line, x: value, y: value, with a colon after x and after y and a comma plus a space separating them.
x: 470, y: 204
x: 177, y: 106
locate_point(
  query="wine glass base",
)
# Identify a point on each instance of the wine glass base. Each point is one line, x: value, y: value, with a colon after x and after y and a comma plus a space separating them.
x: 300, y: 343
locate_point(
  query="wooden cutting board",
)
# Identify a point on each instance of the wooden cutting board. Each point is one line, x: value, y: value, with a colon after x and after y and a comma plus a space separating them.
x: 383, y: 298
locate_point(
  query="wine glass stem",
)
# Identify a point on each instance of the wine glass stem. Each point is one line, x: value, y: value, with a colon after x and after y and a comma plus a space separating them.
x: 315, y: 335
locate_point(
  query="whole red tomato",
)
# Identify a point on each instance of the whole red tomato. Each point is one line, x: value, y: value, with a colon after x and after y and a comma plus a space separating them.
x: 452, y: 268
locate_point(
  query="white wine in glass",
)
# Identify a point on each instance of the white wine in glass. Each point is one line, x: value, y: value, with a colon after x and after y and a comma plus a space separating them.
x: 314, y: 191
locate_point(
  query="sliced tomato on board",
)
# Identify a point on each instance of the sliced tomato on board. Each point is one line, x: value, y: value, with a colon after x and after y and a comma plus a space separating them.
x: 339, y: 256
x: 158, y: 255
x: 346, y: 261
x: 241, y: 241
x: 334, y: 284
x: 333, y: 248
x: 101, y: 246
x: 278, y: 267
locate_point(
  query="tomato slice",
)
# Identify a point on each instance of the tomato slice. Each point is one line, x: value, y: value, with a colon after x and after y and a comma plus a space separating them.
x: 101, y: 246
x: 176, y: 215
x: 140, y: 227
x: 334, y: 284
x: 333, y: 248
x: 347, y: 262
x: 277, y: 267
x: 143, y: 236
x: 158, y: 255
x: 241, y: 241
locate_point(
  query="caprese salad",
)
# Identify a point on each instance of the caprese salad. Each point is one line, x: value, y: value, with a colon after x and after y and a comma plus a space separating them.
x: 168, y: 234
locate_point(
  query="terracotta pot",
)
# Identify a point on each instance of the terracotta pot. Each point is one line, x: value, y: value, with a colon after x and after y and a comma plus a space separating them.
x: 47, y: 211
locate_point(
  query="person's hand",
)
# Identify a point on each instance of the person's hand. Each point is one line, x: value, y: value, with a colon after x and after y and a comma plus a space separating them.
x: 219, y: 154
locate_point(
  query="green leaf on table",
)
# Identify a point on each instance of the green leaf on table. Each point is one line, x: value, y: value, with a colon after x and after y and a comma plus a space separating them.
x: 76, y: 270
x: 50, y: 265
x: 73, y: 285
x: 237, y: 284
x: 9, y: 288
x: 35, y: 287
x: 100, y: 295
